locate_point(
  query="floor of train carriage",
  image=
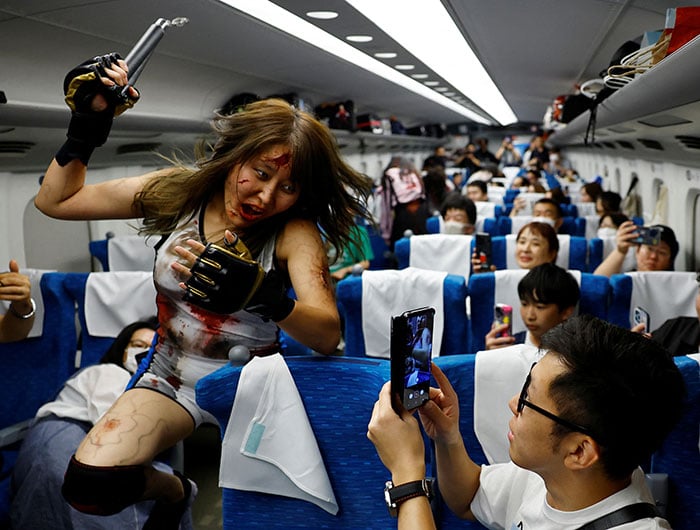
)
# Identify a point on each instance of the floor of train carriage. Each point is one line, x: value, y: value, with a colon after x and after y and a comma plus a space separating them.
x: 202, y: 453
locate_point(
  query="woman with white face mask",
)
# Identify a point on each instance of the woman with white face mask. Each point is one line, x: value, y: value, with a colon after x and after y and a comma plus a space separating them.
x: 61, y: 425
x: 458, y: 214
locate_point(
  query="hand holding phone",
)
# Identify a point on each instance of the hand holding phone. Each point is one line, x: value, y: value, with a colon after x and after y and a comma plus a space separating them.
x: 411, y: 354
x: 641, y: 316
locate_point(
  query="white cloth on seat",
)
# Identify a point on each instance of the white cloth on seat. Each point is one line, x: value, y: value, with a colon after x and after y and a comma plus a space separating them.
x: 592, y: 222
x: 587, y: 209
x: 441, y: 252
x: 506, y: 292
x: 517, y: 222
x: 498, y: 375
x: 664, y: 295
x: 131, y: 253
x: 115, y: 299
x: 562, y: 256
x: 269, y: 445
x: 485, y: 209
x: 388, y: 293
x: 630, y: 261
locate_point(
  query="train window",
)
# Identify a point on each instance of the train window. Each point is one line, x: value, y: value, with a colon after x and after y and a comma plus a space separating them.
x: 694, y: 209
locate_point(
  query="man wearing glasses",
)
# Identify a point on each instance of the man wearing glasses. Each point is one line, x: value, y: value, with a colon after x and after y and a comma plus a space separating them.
x: 595, y: 407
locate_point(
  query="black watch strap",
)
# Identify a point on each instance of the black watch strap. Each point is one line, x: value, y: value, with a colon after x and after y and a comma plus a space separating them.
x: 395, y: 495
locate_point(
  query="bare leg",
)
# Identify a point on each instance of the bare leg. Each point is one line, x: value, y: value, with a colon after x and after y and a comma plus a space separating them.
x: 139, y: 425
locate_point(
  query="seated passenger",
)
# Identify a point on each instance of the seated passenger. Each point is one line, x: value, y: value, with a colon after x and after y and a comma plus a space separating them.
x: 649, y: 258
x: 477, y: 191
x: 592, y: 410
x: 608, y: 202
x: 458, y: 214
x: 590, y: 192
x: 18, y: 321
x: 535, y: 244
x: 61, y: 425
x: 548, y: 296
x: 358, y: 253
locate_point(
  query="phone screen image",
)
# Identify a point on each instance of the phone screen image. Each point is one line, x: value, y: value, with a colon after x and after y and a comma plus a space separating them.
x: 411, y: 355
x: 482, y: 247
x: 640, y: 316
x: 503, y: 314
x: 648, y: 236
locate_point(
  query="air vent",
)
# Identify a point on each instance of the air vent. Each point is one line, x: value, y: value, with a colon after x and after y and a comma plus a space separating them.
x: 137, y: 149
x: 651, y: 144
x: 691, y: 142
x: 610, y: 145
x: 625, y: 144
x: 14, y: 149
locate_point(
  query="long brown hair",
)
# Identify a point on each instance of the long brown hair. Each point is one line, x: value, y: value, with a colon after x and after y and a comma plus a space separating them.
x: 332, y: 193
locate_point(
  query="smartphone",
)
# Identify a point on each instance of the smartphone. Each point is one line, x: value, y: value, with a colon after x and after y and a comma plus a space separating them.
x: 503, y: 314
x: 482, y: 248
x: 640, y: 316
x: 411, y: 355
x: 647, y: 235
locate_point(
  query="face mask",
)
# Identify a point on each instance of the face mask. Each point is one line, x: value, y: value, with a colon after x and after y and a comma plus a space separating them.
x: 545, y: 220
x: 133, y: 357
x: 554, y: 158
x: 606, y: 232
x: 454, y: 227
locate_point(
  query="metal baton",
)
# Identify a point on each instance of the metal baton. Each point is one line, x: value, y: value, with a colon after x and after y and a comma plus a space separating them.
x: 138, y: 56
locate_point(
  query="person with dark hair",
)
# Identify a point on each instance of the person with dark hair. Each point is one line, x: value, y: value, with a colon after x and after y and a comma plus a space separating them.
x: 608, y: 202
x: 242, y: 226
x: 548, y: 296
x: 548, y: 211
x: 591, y: 411
x: 16, y: 289
x: 536, y: 243
x: 404, y: 205
x: 61, y: 425
x: 477, y: 190
x: 590, y: 192
x: 659, y: 257
x: 458, y: 214
x: 435, y: 184
x: 439, y: 158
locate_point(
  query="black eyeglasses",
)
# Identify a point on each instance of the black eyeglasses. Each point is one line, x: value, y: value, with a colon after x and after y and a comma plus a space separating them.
x: 522, y: 403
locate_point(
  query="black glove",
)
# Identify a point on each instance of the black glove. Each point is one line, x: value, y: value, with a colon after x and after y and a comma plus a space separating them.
x: 224, y: 278
x: 270, y: 301
x: 89, y: 129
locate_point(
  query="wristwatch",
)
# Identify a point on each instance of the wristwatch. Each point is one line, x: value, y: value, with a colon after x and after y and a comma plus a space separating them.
x: 395, y: 495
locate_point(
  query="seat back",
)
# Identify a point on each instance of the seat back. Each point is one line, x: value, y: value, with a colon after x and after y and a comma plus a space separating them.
x: 662, y: 294
x: 338, y: 394
x: 124, y: 253
x: 114, y: 300
x: 595, y: 291
x: 439, y: 252
x: 679, y: 456
x: 35, y: 368
x: 460, y: 370
x: 395, y: 284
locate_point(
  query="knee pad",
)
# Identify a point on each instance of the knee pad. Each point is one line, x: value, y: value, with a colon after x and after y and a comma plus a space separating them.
x: 102, y: 490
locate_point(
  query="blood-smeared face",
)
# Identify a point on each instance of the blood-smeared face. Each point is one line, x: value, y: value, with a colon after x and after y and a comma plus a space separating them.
x: 260, y: 188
